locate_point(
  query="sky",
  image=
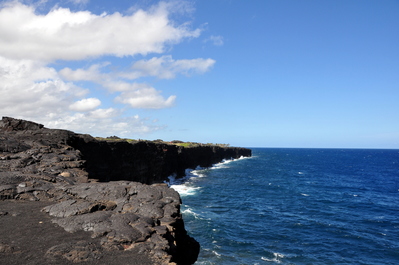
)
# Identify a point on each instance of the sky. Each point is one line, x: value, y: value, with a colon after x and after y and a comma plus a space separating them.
x: 259, y: 73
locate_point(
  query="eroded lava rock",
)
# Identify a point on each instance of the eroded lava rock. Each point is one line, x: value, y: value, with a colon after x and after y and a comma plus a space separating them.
x: 112, y: 190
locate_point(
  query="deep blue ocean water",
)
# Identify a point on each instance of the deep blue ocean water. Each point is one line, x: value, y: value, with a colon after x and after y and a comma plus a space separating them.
x: 296, y: 206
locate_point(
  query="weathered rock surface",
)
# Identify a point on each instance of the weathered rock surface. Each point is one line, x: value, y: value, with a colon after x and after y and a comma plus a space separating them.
x: 102, y: 188
x: 125, y: 215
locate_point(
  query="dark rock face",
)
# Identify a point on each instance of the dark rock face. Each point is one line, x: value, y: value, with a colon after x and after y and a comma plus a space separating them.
x: 102, y: 187
x: 147, y: 162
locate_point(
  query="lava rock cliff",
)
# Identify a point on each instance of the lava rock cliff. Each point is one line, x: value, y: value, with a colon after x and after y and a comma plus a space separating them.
x: 111, y: 189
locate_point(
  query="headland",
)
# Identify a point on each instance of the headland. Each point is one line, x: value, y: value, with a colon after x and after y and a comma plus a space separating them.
x: 68, y: 198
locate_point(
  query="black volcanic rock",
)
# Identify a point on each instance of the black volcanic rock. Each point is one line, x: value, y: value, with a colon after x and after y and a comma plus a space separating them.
x: 111, y: 189
x: 147, y: 162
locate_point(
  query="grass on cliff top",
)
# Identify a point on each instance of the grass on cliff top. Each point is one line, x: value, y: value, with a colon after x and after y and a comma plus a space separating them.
x: 116, y: 139
x: 159, y: 141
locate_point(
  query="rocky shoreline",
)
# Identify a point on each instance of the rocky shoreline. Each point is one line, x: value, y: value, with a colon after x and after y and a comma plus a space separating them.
x: 112, y: 191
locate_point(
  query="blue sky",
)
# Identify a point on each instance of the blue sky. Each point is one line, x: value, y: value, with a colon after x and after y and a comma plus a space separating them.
x: 261, y: 73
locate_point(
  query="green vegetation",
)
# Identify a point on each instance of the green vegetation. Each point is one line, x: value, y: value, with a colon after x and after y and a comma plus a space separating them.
x: 159, y: 141
x: 117, y: 139
x: 187, y: 144
x: 194, y: 144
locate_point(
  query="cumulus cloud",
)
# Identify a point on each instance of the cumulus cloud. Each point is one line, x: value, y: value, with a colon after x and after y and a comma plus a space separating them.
x: 93, y: 73
x: 30, y: 88
x: 85, y: 104
x: 146, y: 97
x: 104, y: 123
x: 103, y: 113
x: 32, y: 44
x: 139, y: 95
x: 62, y: 34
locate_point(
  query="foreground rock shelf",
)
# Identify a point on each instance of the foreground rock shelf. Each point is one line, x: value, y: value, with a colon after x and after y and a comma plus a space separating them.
x: 112, y: 191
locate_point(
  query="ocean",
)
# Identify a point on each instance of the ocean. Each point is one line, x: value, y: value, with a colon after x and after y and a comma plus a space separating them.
x: 296, y: 206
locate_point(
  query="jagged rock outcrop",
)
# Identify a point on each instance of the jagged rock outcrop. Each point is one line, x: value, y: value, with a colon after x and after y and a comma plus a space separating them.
x: 103, y: 187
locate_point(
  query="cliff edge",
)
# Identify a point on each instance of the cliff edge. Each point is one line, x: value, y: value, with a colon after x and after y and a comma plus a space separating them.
x: 110, y: 189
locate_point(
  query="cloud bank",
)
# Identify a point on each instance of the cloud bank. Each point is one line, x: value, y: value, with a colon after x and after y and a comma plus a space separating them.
x: 32, y: 43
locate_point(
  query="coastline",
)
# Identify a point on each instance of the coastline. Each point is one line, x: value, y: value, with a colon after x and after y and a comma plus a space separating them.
x: 109, y: 190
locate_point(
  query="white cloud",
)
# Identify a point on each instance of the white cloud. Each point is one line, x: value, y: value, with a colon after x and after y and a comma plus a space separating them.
x: 122, y: 86
x: 103, y: 113
x: 146, y: 97
x: 103, y: 123
x: 85, y: 104
x: 30, y: 88
x: 136, y: 95
x: 216, y: 40
x: 166, y: 67
x: 62, y: 34
x: 91, y: 74
x: 139, y: 95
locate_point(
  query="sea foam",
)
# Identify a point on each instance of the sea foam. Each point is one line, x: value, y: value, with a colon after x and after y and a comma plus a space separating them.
x: 185, y: 190
x: 185, y: 187
x: 276, y: 258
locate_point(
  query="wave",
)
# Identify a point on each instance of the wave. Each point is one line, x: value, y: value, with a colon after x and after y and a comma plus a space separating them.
x: 276, y: 258
x: 190, y: 211
x: 185, y: 187
x: 182, y: 185
x: 185, y: 190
